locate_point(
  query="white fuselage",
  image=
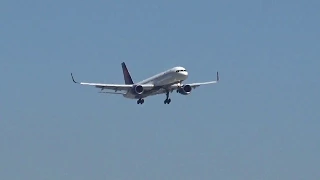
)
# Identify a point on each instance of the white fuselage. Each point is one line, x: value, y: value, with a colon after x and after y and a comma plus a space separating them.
x: 169, y: 77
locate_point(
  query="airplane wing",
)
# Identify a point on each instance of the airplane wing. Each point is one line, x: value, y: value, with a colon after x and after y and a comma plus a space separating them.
x: 116, y: 87
x: 194, y: 85
x: 163, y: 90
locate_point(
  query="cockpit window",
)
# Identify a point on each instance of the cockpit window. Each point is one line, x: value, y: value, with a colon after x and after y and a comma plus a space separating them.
x: 181, y: 70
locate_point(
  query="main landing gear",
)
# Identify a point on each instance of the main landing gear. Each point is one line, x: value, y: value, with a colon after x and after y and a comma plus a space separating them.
x: 167, y: 100
x: 140, y: 101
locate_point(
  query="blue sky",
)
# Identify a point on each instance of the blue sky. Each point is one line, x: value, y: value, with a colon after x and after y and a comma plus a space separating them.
x: 260, y: 122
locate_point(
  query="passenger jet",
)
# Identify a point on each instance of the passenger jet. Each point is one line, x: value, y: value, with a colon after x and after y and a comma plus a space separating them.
x: 162, y: 83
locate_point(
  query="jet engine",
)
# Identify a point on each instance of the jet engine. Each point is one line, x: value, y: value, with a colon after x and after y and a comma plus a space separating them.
x: 185, y: 90
x: 138, y: 89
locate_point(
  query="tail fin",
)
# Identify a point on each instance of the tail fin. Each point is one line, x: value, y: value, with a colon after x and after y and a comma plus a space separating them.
x: 126, y: 74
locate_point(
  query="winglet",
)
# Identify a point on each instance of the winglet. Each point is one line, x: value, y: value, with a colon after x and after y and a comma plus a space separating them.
x: 73, y: 79
x: 217, y: 76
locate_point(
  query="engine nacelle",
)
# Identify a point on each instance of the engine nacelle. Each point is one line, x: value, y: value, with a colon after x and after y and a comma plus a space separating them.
x: 185, y: 90
x: 138, y: 89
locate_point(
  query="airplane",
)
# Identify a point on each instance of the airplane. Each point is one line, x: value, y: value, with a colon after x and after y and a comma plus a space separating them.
x: 163, y: 83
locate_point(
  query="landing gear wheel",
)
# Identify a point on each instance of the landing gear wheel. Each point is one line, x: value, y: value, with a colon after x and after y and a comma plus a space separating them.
x: 140, y: 101
x: 167, y: 101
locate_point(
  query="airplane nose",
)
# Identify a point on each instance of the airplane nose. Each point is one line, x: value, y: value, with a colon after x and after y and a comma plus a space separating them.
x: 184, y: 74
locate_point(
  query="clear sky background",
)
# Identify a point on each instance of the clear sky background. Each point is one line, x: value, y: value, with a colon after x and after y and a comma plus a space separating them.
x: 260, y: 122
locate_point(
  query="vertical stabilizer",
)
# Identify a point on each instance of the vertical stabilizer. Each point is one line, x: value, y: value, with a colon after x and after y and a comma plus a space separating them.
x: 126, y: 74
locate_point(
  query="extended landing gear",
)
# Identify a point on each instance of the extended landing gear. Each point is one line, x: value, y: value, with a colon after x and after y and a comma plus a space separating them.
x: 167, y: 100
x: 140, y: 101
